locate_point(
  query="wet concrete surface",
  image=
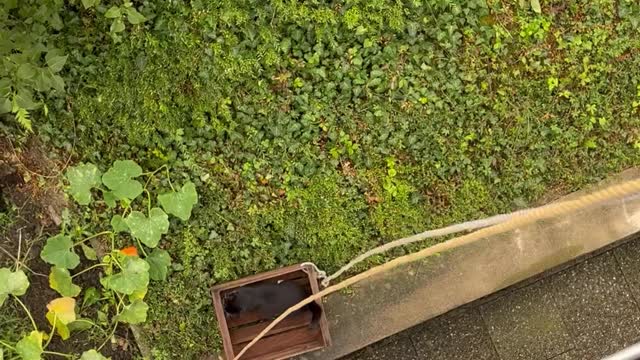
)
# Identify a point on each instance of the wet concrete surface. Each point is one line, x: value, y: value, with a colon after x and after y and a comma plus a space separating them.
x: 585, y: 310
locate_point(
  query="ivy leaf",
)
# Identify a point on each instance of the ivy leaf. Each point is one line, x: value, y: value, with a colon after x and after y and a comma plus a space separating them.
x: 24, y: 99
x: 149, y: 230
x: 12, y: 283
x: 159, y: 260
x: 89, y: 252
x: 30, y: 346
x: 134, y: 276
x: 180, y: 203
x: 26, y: 71
x: 55, y: 61
x: 58, y: 251
x: 119, y: 178
x: 118, y: 224
x: 134, y: 16
x: 61, y: 328
x: 535, y: 6
x: 113, y: 12
x: 91, y: 296
x: 5, y: 105
x: 60, y: 281
x: 64, y: 308
x: 92, y: 355
x: 135, y: 313
x: 117, y: 25
x: 82, y: 178
x: 90, y: 3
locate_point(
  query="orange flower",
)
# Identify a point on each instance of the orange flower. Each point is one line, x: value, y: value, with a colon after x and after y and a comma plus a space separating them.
x: 129, y: 251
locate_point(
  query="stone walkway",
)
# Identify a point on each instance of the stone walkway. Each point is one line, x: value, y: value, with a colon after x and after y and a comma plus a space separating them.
x: 584, y: 310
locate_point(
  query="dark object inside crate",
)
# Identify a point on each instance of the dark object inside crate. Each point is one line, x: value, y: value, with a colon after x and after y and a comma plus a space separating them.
x: 293, y: 336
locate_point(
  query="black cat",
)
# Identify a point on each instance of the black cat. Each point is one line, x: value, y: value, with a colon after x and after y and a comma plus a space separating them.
x: 269, y: 300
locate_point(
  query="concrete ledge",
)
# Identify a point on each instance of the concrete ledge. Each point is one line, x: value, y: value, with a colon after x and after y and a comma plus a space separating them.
x: 387, y: 304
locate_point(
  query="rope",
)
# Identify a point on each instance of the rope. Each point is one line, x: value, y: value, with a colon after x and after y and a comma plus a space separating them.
x: 552, y: 210
x: 452, y: 229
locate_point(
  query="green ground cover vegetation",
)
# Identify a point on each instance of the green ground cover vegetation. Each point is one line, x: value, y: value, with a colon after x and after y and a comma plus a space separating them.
x: 315, y: 130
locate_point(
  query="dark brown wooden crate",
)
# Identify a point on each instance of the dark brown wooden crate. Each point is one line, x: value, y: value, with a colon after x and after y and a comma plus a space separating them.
x: 289, y: 338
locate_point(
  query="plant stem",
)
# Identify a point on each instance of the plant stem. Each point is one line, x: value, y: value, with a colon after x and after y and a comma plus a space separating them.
x: 149, y: 202
x: 53, y: 327
x: 87, y: 269
x: 169, y: 179
x: 35, y: 327
x: 141, y: 247
x: 113, y: 331
x: 7, y: 345
x: 58, y: 354
x: 93, y: 236
x: 150, y: 174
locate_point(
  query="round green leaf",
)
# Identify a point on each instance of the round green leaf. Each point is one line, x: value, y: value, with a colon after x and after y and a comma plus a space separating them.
x: 134, y: 276
x: 149, y: 230
x: 117, y: 25
x: 30, y: 346
x: 92, y: 355
x: 135, y: 313
x: 58, y: 251
x: 60, y: 281
x: 181, y: 202
x: 118, y: 224
x: 12, y: 283
x: 89, y: 252
x: 119, y: 178
x: 159, y: 260
x: 109, y: 199
x: 82, y: 178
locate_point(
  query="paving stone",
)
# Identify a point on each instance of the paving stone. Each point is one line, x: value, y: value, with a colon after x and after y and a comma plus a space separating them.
x: 393, y: 348
x: 526, y: 324
x: 597, y: 307
x: 628, y: 256
x: 457, y: 335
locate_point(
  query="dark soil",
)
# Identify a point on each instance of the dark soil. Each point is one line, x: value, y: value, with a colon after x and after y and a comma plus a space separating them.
x: 31, y: 183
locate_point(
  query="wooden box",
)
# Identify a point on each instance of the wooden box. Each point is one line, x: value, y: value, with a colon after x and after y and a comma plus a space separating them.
x: 289, y: 338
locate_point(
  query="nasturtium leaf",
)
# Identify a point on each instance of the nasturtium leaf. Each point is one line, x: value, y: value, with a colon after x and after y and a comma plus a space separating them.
x: 109, y: 199
x: 30, y: 346
x: 180, y: 203
x: 119, y: 178
x: 89, y: 252
x: 64, y: 308
x: 149, y: 230
x: 159, y: 260
x: 134, y: 313
x: 60, y: 281
x: 118, y: 224
x: 134, y: 16
x: 82, y: 178
x: 58, y: 251
x: 134, y: 276
x: 92, y: 355
x: 55, y: 61
x: 535, y: 6
x: 113, y: 12
x: 80, y: 325
x: 12, y: 283
x: 138, y: 295
x: 61, y: 328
